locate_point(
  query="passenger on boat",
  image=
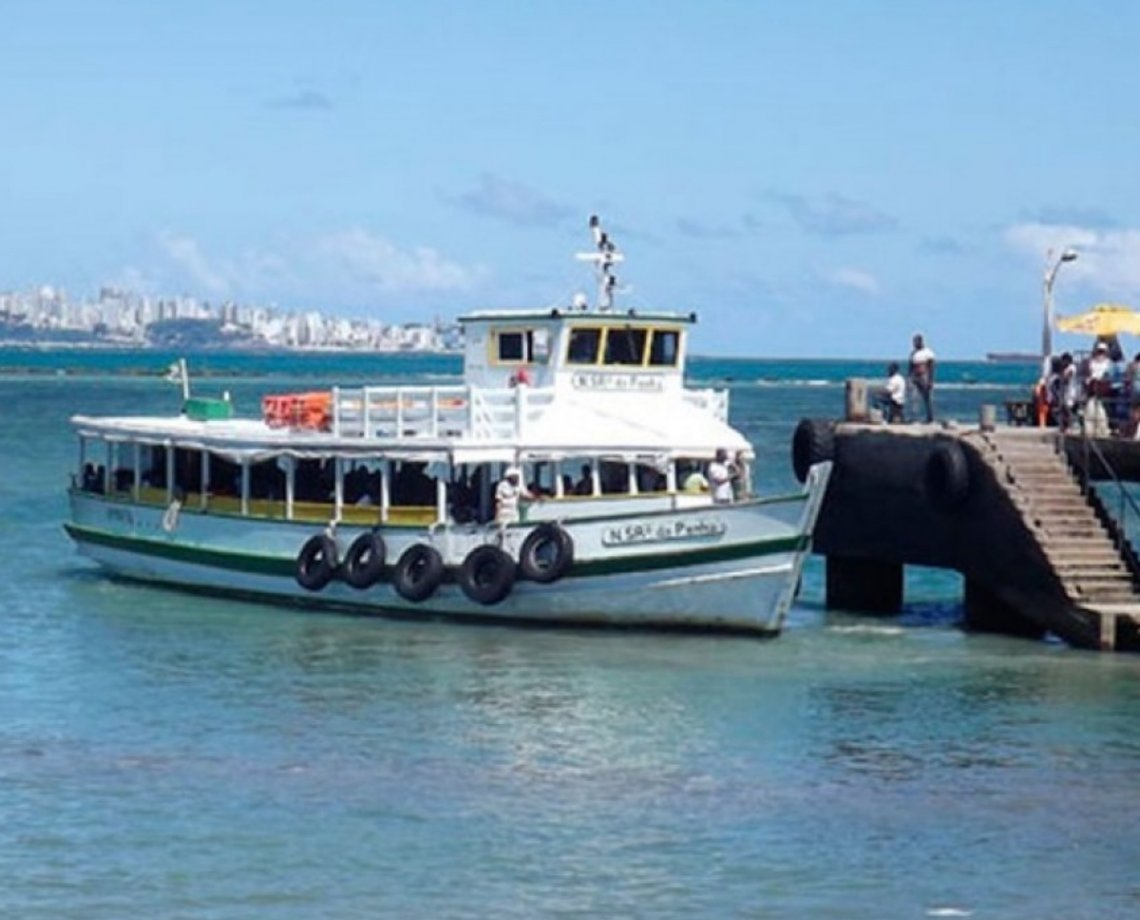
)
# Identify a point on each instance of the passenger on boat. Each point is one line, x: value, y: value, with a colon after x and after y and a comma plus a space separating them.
x: 585, y: 485
x: 508, y: 493
x: 720, y: 477
x: 693, y: 479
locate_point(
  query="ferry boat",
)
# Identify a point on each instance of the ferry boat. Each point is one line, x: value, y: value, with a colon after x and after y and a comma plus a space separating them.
x: 383, y: 499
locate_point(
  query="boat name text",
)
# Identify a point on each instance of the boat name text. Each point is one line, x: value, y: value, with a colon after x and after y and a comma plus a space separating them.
x: 663, y: 532
x: 593, y: 380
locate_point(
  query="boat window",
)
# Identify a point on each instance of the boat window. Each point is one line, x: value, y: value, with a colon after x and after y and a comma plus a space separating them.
x: 411, y: 485
x: 540, y: 477
x: 91, y: 477
x: 578, y: 478
x: 539, y: 345
x: 650, y: 479
x: 691, y: 476
x: 583, y: 347
x: 511, y: 346
x: 625, y: 346
x: 663, y: 350
x: 266, y: 481
x: 517, y: 346
x: 188, y: 472
x: 225, y: 475
x: 122, y: 467
x: 153, y: 466
x: 614, y: 477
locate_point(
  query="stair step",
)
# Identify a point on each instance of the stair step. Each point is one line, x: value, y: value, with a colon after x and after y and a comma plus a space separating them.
x: 1082, y: 551
x: 1079, y: 556
x: 1081, y: 570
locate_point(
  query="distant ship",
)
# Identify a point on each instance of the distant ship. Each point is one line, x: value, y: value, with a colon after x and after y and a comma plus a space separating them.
x: 1012, y: 357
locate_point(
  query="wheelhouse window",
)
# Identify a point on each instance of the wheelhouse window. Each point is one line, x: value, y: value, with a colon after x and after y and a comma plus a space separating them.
x: 522, y: 346
x: 664, y: 348
x: 625, y: 346
x: 584, y: 346
x: 512, y: 347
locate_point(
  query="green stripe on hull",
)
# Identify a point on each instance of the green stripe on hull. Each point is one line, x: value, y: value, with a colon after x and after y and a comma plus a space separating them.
x: 237, y: 561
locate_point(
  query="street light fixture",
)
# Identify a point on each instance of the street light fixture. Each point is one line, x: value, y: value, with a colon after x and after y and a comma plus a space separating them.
x: 1053, y: 265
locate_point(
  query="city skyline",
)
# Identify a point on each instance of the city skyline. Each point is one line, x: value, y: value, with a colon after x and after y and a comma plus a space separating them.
x: 821, y: 179
x: 48, y: 314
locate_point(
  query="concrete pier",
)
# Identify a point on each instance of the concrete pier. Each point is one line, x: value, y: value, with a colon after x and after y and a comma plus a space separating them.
x: 1003, y: 507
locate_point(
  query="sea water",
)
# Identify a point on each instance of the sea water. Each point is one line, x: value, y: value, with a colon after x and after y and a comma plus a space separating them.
x: 169, y: 755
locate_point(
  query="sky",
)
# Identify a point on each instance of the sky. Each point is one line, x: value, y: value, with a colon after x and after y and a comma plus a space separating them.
x: 814, y: 179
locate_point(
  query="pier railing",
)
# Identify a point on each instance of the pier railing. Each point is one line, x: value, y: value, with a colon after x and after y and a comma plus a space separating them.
x: 1125, y: 523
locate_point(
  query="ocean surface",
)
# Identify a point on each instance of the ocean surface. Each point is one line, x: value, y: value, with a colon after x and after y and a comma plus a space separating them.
x: 167, y: 755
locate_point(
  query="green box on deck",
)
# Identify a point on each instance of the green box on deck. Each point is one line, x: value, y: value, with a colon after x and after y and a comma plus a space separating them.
x: 205, y: 409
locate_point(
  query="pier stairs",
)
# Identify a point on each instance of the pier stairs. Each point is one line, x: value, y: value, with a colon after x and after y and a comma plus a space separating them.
x: 1039, y: 551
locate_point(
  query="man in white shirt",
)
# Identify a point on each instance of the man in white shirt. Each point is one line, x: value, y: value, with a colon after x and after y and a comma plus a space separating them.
x: 922, y: 374
x: 508, y: 493
x: 893, y: 396
x: 721, y: 474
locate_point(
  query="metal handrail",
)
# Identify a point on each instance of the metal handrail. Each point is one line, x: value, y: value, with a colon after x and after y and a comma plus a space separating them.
x: 1117, y: 528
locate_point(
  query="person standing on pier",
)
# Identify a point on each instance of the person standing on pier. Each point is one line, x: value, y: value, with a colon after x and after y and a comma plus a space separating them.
x: 922, y: 374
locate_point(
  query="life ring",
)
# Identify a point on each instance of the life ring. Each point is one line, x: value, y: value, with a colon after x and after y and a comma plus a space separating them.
x: 812, y: 442
x: 418, y: 572
x: 316, y: 563
x: 364, y: 562
x: 487, y: 574
x: 546, y: 553
x: 170, y: 515
x: 947, y: 476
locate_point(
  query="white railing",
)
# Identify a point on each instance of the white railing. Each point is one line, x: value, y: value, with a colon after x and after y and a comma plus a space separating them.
x: 712, y: 401
x: 474, y: 413
x: 435, y: 412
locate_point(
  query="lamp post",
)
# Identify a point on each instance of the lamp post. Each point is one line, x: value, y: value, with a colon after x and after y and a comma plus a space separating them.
x: 1053, y: 265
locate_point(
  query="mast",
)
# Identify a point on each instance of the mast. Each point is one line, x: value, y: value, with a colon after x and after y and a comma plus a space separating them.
x: 604, y: 258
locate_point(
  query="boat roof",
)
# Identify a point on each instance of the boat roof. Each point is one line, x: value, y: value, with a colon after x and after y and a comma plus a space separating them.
x: 588, y: 315
x: 622, y: 424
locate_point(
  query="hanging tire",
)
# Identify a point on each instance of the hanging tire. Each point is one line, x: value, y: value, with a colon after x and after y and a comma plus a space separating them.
x: 364, y: 562
x: 812, y: 442
x: 418, y: 572
x: 947, y: 476
x: 546, y: 554
x: 487, y: 574
x: 316, y: 563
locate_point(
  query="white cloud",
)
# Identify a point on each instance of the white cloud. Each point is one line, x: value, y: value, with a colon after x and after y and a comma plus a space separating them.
x: 1108, y: 260
x: 187, y: 257
x: 855, y: 279
x: 379, y: 263
x: 510, y: 201
x: 352, y: 265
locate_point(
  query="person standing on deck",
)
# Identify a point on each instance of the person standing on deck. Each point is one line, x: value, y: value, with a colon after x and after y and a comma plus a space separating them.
x: 721, y: 475
x: 922, y: 374
x: 508, y: 493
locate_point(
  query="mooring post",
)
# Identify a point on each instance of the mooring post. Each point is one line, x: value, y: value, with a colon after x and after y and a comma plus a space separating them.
x: 856, y: 407
x: 869, y: 585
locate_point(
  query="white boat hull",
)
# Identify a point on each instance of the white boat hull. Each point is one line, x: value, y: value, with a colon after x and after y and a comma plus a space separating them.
x: 731, y: 567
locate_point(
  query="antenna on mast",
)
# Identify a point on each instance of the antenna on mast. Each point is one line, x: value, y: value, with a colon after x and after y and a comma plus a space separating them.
x: 606, y: 256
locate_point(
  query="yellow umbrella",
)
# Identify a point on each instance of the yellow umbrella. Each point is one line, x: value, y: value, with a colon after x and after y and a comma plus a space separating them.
x: 1105, y: 319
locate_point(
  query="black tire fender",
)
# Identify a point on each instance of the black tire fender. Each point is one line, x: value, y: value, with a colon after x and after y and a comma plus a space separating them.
x: 947, y: 478
x: 418, y: 572
x: 364, y: 562
x: 812, y: 442
x: 487, y: 574
x: 546, y: 554
x: 316, y: 562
